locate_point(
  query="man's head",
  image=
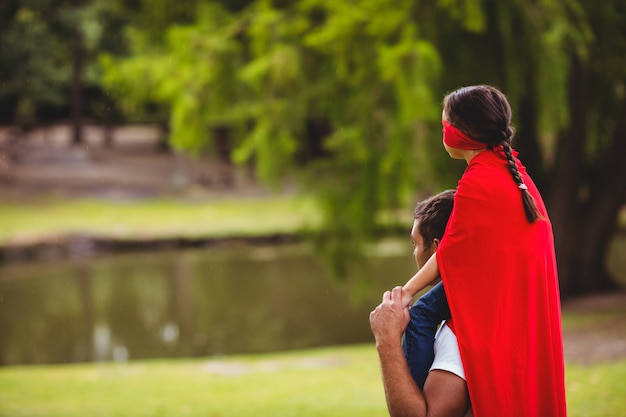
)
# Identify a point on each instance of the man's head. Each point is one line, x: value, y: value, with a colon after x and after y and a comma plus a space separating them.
x: 431, y: 217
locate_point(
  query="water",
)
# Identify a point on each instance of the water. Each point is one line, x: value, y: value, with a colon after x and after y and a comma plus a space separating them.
x: 196, y: 303
x: 188, y: 303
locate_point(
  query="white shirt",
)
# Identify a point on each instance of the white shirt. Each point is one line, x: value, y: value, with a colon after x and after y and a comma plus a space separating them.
x: 447, y: 356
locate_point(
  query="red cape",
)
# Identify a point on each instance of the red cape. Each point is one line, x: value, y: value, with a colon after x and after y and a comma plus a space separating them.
x: 499, y: 273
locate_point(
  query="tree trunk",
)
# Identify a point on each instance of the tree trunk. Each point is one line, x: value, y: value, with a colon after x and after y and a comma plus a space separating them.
x: 77, y: 99
x: 563, y: 198
x: 527, y: 143
x: 584, y: 215
x: 606, y: 196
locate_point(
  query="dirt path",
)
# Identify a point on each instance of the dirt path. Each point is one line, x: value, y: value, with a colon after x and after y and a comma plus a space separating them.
x: 595, y: 329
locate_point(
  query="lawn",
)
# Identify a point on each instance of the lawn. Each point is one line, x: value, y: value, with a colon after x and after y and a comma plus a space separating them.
x: 156, y: 218
x: 324, y: 382
x: 334, y: 381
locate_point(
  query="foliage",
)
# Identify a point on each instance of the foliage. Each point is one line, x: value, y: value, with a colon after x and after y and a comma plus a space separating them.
x: 37, y: 43
x: 36, y: 55
x: 587, y: 170
x: 33, y: 58
x: 372, y: 72
x: 266, y: 70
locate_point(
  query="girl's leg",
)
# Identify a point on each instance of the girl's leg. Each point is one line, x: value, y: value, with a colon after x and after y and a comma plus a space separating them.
x: 426, y: 314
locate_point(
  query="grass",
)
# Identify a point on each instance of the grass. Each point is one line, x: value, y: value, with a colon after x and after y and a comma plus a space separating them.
x: 590, y: 320
x: 323, y: 382
x: 335, y: 381
x: 156, y: 218
x: 596, y: 391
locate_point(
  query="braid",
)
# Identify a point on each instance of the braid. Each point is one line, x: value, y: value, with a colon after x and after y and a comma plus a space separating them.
x: 530, y: 208
x: 483, y: 113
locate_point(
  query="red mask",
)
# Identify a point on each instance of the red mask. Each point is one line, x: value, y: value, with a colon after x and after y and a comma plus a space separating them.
x: 454, y: 138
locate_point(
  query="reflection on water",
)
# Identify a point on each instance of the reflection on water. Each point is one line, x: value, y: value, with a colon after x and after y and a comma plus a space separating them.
x: 187, y: 303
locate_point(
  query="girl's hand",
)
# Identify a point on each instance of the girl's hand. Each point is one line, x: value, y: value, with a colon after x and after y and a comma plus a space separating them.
x: 406, y: 299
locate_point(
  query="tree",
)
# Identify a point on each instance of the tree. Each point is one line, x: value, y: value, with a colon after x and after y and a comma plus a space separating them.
x: 49, y: 50
x: 561, y: 65
x: 32, y: 60
x: 45, y: 75
x: 588, y: 178
x: 373, y: 71
x: 268, y: 69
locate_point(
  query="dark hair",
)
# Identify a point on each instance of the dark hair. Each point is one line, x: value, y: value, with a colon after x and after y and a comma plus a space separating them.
x: 483, y: 113
x: 433, y: 214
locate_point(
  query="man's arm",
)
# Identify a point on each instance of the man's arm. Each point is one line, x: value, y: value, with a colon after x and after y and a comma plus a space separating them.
x: 445, y: 394
x: 388, y: 322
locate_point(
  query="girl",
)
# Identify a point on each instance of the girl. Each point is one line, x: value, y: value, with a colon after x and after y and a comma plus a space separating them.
x: 498, y: 268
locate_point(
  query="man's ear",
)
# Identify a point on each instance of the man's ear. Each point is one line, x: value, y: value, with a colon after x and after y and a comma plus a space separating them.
x: 436, y: 242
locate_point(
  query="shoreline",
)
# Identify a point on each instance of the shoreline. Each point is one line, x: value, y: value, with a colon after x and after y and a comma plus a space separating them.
x: 75, y: 246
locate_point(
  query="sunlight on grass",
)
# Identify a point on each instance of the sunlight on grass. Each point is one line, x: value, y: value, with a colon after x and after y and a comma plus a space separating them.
x: 339, y: 381
x: 587, y: 320
x: 596, y: 391
x: 327, y: 382
x: 157, y: 218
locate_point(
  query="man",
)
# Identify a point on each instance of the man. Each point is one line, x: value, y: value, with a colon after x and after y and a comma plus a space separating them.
x: 445, y: 391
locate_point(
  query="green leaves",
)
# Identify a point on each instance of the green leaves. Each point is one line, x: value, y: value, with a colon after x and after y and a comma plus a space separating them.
x: 190, y: 76
x: 564, y: 34
x: 469, y: 13
x: 360, y: 66
x: 33, y: 58
x: 373, y: 70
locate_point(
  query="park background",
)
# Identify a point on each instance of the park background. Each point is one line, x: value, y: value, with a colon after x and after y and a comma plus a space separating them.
x: 193, y: 192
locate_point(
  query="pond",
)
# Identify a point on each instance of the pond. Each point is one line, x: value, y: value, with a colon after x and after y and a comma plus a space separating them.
x: 200, y: 302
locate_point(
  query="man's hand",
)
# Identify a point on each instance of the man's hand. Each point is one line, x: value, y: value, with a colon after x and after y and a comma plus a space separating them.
x: 390, y: 318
